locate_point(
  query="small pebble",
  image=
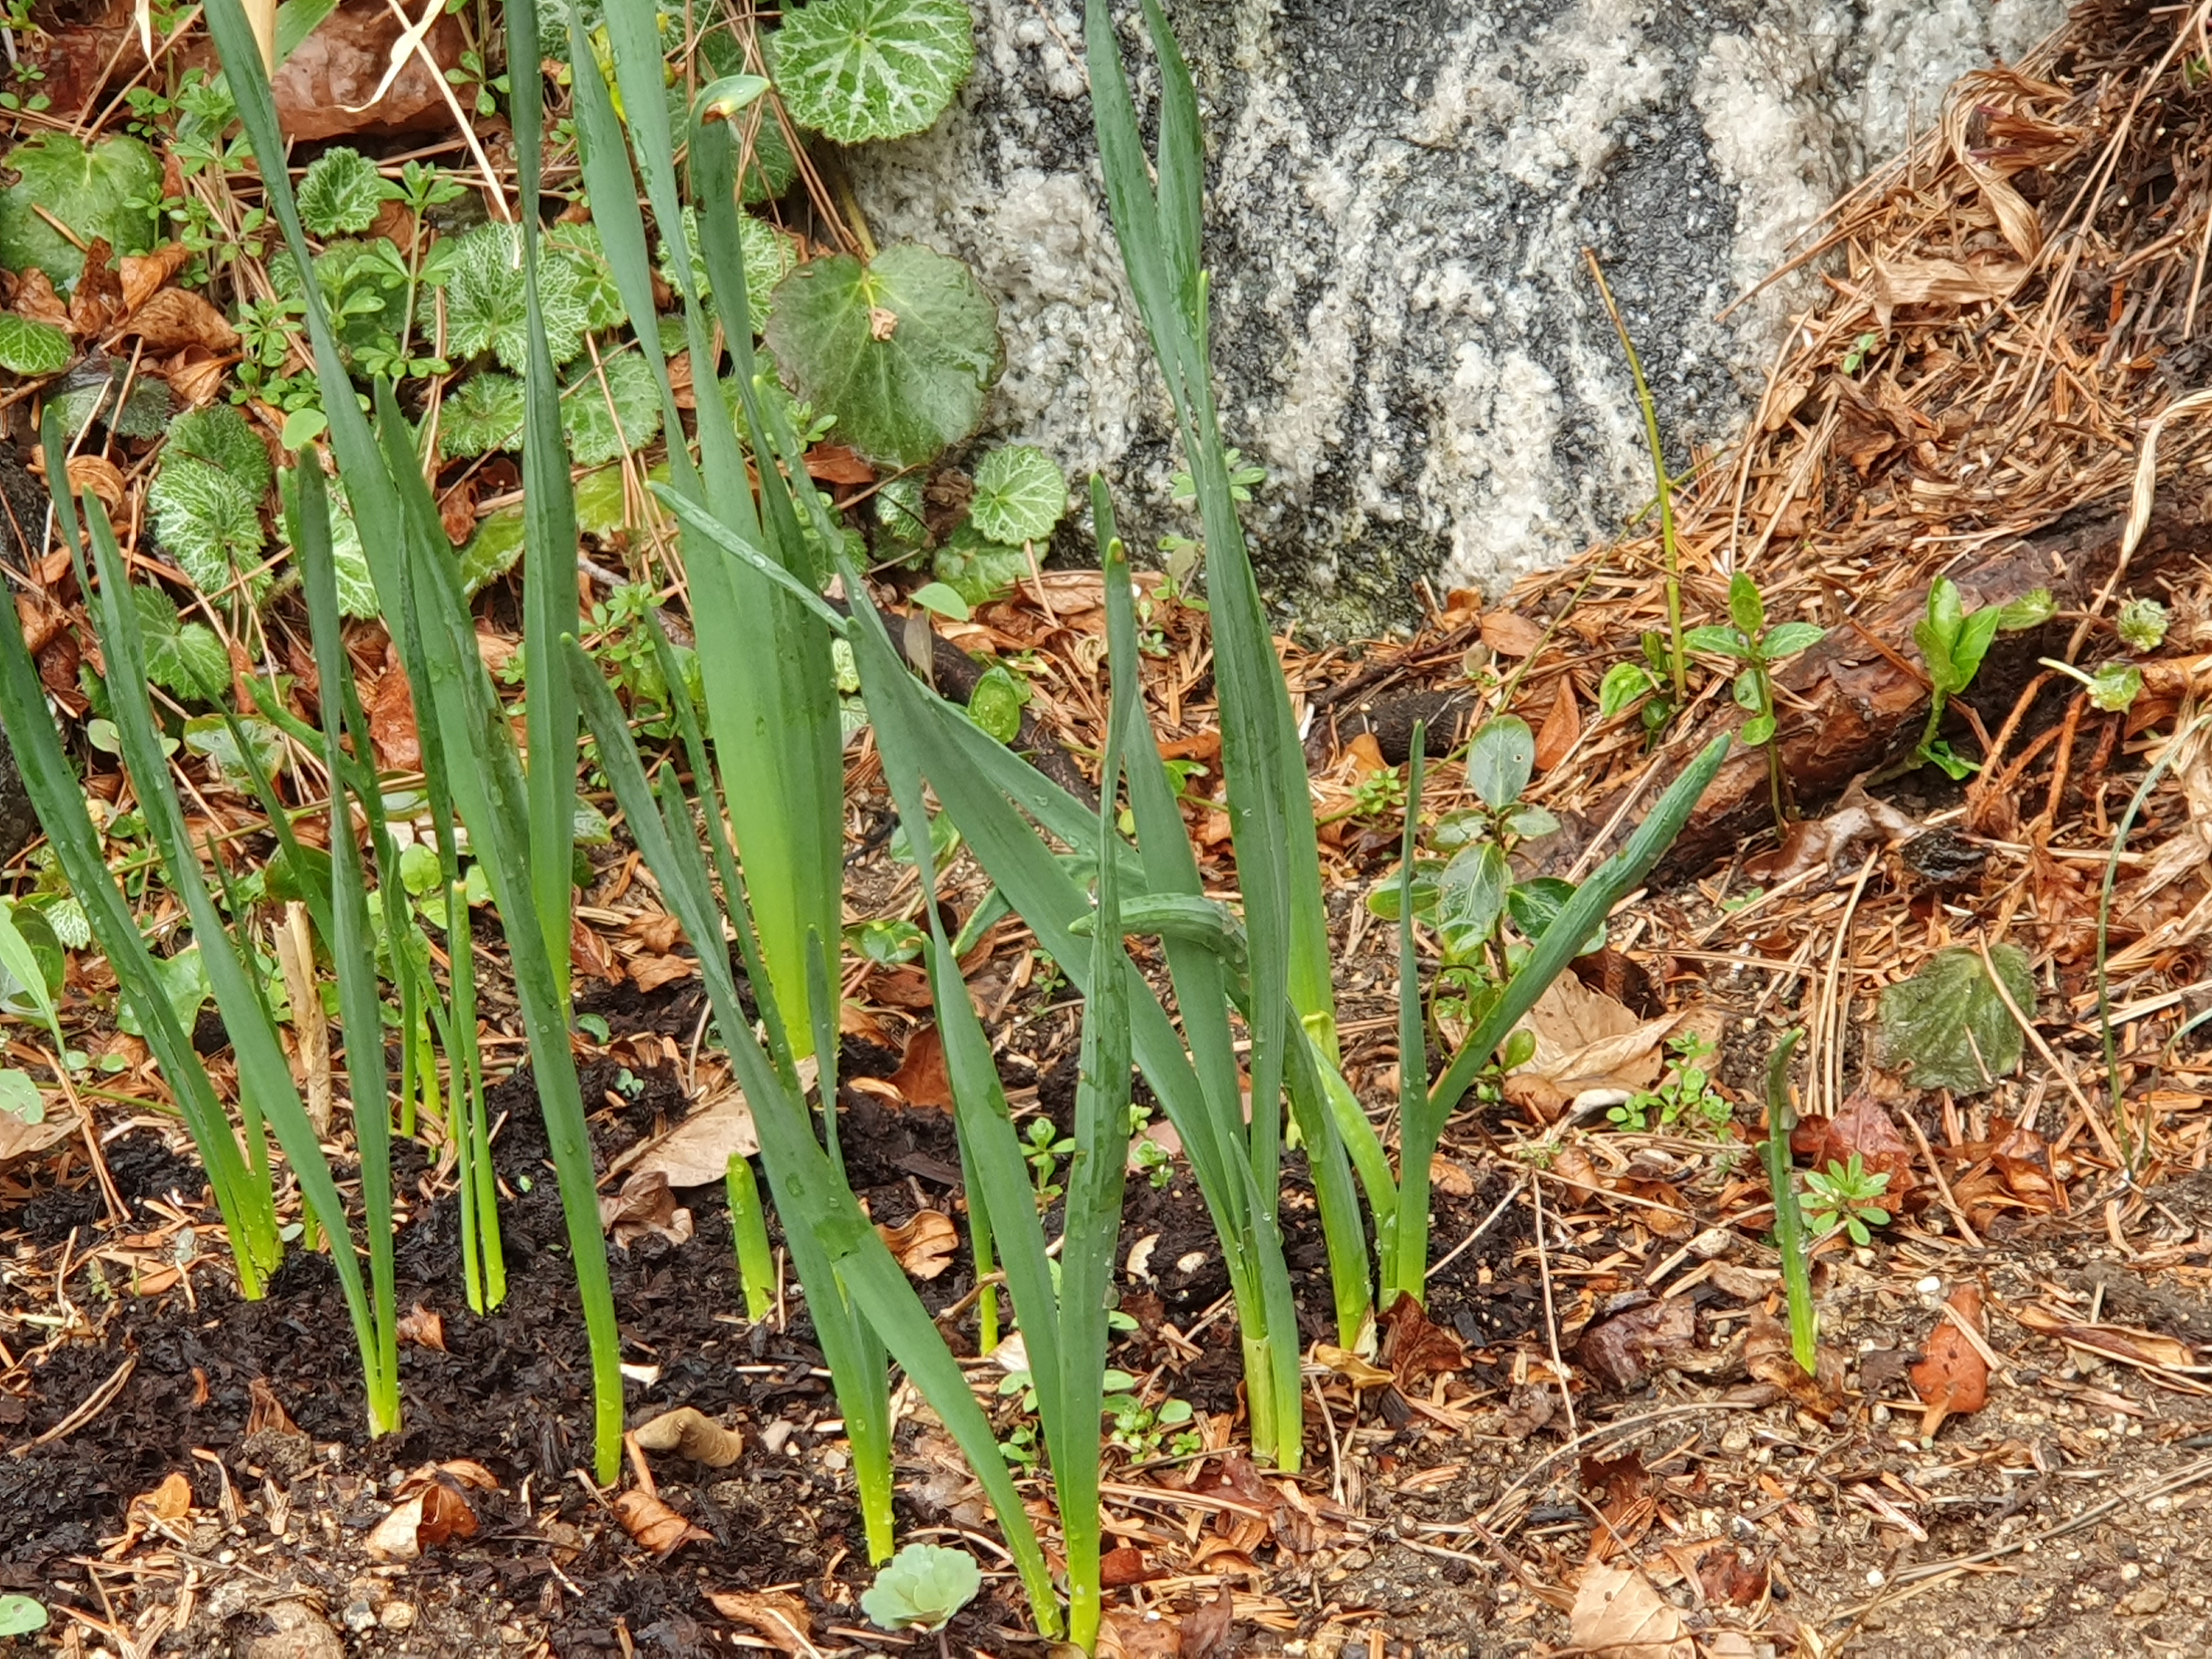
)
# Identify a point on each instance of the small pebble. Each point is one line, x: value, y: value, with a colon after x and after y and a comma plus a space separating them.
x: 399, y: 1615
x: 1876, y: 1578
x: 359, y: 1616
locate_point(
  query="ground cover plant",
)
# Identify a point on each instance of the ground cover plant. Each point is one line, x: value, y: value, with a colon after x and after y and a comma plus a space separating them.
x: 821, y: 1025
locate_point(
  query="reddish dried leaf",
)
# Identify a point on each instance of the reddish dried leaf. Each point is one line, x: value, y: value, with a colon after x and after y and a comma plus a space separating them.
x: 1207, y: 1628
x: 1120, y: 1567
x: 2023, y: 1159
x: 1729, y: 1579
x: 1561, y: 728
x: 196, y: 375
x: 651, y: 973
x: 645, y: 1206
x: 391, y: 709
x: 143, y: 274
x: 457, y: 512
x: 327, y: 88
x: 921, y: 1078
x: 37, y: 300
x: 655, y: 1526
x: 838, y: 464
x: 656, y: 930
x: 97, y: 299
x: 1416, y: 1350
x: 1863, y: 1127
x: 1953, y: 1378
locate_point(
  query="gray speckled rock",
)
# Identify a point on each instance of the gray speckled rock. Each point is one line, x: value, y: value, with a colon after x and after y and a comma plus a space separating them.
x: 1401, y: 189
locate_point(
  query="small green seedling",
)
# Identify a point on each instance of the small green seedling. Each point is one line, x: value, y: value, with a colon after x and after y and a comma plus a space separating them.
x: 1953, y: 641
x: 1843, y: 1200
x: 1044, y: 1147
x: 1688, y: 1097
x: 921, y: 1588
x: 1747, y: 639
x: 2142, y: 624
x: 2112, y: 686
x: 19, y: 1615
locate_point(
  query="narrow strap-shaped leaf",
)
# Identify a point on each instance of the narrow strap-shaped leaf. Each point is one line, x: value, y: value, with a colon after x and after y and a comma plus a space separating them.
x: 809, y: 1194
x: 1413, y: 1049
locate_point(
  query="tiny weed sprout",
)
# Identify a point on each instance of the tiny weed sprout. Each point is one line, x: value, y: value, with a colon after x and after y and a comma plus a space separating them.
x: 1747, y: 639
x: 2142, y: 624
x: 1842, y: 1199
x: 1789, y: 1216
x: 921, y: 1588
x: 2112, y: 686
x: 1687, y: 1098
x: 1953, y: 641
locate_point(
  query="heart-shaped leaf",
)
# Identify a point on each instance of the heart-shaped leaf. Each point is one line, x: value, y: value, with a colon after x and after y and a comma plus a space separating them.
x: 902, y: 350
x: 341, y: 193
x: 31, y: 349
x: 858, y: 69
x: 1949, y: 1026
x: 181, y: 657
x: 1499, y: 761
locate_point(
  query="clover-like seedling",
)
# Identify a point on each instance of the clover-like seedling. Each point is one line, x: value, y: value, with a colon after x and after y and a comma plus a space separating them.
x: 921, y: 1588
x: 1844, y: 1198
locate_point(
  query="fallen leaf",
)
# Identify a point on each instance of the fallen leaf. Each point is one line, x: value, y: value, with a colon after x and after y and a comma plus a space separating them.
x: 1206, y: 1628
x: 646, y: 1207
x: 1809, y: 842
x: 1618, y: 1613
x: 781, y: 1618
x: 97, y: 299
x: 1416, y: 1350
x: 37, y: 301
x: 696, y: 1152
x: 1728, y: 1578
x: 2123, y: 1343
x: 98, y: 475
x: 1903, y: 280
x: 323, y: 87
x: 925, y: 1245
x: 1621, y: 1353
x: 1510, y: 635
x: 1770, y: 1358
x: 1366, y: 755
x: 1350, y: 1367
x: 1586, y: 1040
x: 921, y: 1078
x: 457, y: 512
x: 838, y: 464
x: 1124, y: 1565
x: 651, y: 973
x: 655, y: 1526
x: 1862, y: 1129
x: 1450, y: 1178
x: 1125, y: 1633
x: 144, y: 274
x: 904, y: 986
x: 398, y: 1537
x: 391, y: 716
x: 1562, y: 728
x: 422, y: 1326
x: 656, y: 930
x: 177, y: 318
x: 689, y: 1433
x: 170, y: 1501
x: 1952, y: 1379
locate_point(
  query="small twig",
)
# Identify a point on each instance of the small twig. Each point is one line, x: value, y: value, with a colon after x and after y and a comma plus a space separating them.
x: 1950, y: 1202
x: 1550, y: 1317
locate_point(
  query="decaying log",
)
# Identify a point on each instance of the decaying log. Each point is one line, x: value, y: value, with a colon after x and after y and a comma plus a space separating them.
x: 1847, y: 708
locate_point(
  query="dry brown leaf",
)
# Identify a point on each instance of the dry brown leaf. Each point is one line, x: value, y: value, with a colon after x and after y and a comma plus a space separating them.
x: 399, y: 1536
x: 1350, y: 1367
x: 1586, y: 1040
x: 651, y: 973
x: 391, y: 709
x: 1906, y: 280
x: 97, y: 299
x: 1562, y: 726
x: 178, y: 318
x: 170, y: 1501
x: 656, y: 930
x: 904, y: 986
x: 1620, y: 1353
x: 645, y: 1206
x: 321, y: 88
x: 1450, y: 1178
x: 655, y: 1526
x: 921, y: 1078
x: 925, y: 1245
x: 1618, y: 1613
x: 838, y: 464
x: 1123, y: 1565
x: 1366, y: 755
x: 1510, y: 635
x: 1728, y: 1578
x: 98, y: 475
x: 689, y: 1433
x: 143, y: 274
x: 2123, y: 1343
x: 1858, y: 819
x: 782, y: 1619
x: 1953, y: 1379
x: 1414, y: 1349
x: 1125, y: 1633
x: 1207, y: 1628
x: 37, y: 300
x: 423, y: 1327
x: 1769, y: 1357
x: 696, y: 1152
